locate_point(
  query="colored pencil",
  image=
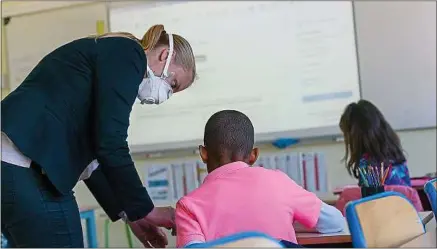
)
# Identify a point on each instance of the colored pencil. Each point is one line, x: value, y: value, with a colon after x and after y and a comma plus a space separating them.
x: 386, y: 173
x: 374, y: 178
x: 382, y: 173
x: 378, y: 178
x: 361, y: 171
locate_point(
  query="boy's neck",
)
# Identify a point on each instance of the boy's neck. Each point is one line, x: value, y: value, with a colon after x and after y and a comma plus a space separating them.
x: 211, y: 166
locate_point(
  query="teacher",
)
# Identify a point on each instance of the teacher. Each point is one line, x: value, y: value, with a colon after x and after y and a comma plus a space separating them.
x: 69, y: 118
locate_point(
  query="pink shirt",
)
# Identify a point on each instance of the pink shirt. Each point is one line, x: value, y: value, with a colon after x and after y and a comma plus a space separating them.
x: 237, y: 198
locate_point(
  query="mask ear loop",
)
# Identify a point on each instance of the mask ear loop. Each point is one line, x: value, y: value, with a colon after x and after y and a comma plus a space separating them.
x: 149, y: 73
x: 170, y: 55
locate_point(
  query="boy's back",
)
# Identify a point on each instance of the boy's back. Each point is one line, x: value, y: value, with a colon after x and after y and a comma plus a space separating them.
x: 236, y: 198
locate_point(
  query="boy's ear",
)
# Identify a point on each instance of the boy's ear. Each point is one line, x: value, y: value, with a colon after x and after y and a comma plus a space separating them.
x: 253, y: 156
x: 203, y: 153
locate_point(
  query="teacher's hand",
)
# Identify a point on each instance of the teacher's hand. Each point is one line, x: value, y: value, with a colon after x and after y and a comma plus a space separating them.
x: 149, y: 234
x: 162, y: 217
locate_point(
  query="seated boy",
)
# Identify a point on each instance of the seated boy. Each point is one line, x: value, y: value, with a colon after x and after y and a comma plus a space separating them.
x: 235, y: 197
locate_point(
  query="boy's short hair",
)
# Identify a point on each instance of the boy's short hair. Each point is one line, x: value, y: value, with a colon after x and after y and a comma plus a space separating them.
x: 229, y: 133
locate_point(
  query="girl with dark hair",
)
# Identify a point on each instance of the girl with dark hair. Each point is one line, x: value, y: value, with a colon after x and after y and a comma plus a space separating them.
x: 370, y: 140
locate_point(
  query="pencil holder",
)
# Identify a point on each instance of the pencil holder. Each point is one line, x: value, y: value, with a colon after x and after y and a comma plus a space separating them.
x: 368, y: 191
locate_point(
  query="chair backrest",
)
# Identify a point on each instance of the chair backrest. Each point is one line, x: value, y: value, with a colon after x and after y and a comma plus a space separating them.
x: 383, y: 220
x: 352, y: 193
x: 245, y: 239
x: 431, y: 191
x: 4, y: 242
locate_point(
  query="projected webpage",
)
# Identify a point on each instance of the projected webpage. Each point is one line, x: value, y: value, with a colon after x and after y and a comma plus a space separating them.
x: 287, y: 65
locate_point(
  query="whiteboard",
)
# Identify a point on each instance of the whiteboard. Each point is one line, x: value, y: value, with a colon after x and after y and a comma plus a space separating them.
x: 290, y: 66
x: 30, y: 37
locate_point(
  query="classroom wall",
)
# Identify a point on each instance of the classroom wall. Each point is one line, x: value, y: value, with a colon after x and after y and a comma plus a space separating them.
x: 4, y: 67
x: 419, y: 145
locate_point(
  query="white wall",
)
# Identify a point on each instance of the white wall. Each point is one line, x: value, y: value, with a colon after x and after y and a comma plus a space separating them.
x: 397, y: 59
x: 15, y: 8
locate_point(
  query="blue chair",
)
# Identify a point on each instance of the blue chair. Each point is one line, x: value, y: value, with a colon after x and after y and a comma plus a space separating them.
x: 4, y: 242
x: 91, y: 230
x: 245, y: 239
x: 431, y: 191
x: 89, y: 217
x: 383, y: 220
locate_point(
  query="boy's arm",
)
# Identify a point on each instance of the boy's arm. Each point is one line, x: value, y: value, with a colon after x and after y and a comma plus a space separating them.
x: 187, y: 227
x: 314, y: 214
x: 330, y: 220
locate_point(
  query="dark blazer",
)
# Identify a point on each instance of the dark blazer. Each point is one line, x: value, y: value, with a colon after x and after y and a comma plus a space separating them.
x: 74, y: 107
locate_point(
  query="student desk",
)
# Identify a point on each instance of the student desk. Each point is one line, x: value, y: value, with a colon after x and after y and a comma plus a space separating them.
x: 88, y: 214
x: 431, y: 225
x: 428, y: 239
x: 341, y: 238
x: 327, y: 198
x: 417, y: 183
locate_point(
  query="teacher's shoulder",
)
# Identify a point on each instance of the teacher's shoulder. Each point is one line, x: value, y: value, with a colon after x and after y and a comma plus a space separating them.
x: 122, y: 47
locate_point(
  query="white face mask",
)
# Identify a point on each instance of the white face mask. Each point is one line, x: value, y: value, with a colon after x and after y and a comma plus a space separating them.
x: 155, y: 89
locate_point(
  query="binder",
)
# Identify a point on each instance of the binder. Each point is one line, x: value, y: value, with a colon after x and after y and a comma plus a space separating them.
x: 294, y: 168
x: 269, y: 162
x: 178, y: 181
x: 202, y: 172
x: 281, y: 163
x: 158, y: 183
x: 309, y: 171
x: 260, y: 162
x: 321, y: 172
x: 190, y: 175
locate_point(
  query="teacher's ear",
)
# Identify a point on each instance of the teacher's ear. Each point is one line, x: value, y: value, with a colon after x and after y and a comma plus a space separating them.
x: 203, y: 154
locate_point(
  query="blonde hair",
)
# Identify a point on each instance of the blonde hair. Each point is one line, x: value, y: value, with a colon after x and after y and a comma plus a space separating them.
x: 157, y: 36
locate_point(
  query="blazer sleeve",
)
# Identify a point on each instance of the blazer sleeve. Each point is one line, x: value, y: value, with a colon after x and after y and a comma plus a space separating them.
x: 102, y: 191
x: 120, y: 68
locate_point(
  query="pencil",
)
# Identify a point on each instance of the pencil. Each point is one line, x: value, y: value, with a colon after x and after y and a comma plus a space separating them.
x: 376, y: 174
x: 378, y: 177
x: 369, y: 173
x: 373, y: 176
x: 369, y: 177
x: 382, y: 173
x: 386, y: 173
x: 363, y: 177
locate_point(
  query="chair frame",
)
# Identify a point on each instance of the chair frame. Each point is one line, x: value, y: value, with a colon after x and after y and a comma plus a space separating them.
x: 234, y: 238
x: 355, y: 227
x: 430, y: 189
